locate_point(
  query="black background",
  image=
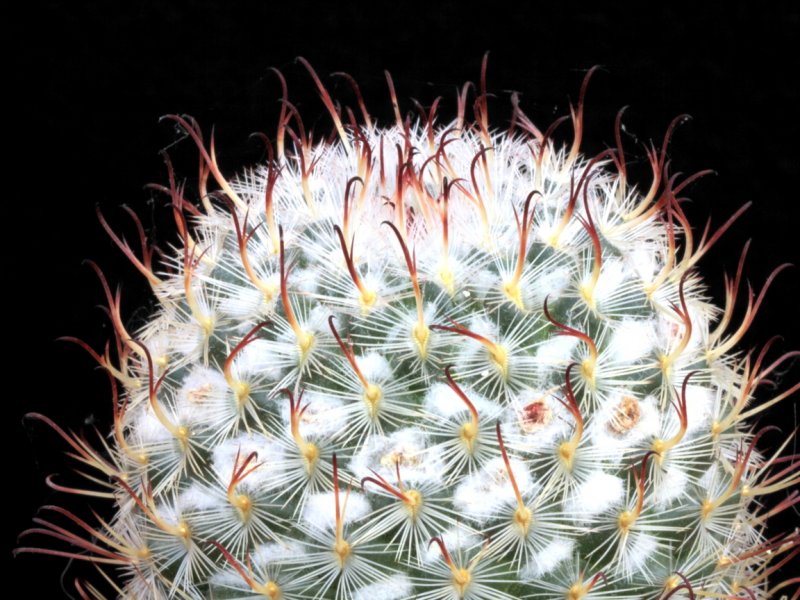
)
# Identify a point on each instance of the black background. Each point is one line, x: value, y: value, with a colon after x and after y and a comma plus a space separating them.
x: 90, y: 79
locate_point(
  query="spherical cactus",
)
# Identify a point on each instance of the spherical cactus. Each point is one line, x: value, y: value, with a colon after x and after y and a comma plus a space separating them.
x: 436, y: 362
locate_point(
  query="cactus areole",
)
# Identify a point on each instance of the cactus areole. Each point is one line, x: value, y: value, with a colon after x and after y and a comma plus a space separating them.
x: 431, y: 360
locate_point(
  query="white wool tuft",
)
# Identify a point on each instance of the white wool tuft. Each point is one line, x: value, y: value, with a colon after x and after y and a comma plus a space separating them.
x: 374, y: 367
x: 548, y: 558
x: 324, y: 416
x: 305, y: 280
x: 320, y: 510
x: 201, y: 383
x: 285, y: 551
x: 198, y: 497
x: 550, y: 283
x: 317, y: 320
x: 671, y: 485
x: 406, y: 446
x: 257, y: 359
x: 482, y: 326
x: 599, y: 492
x: 442, y: 400
x: 202, y: 393
x: 484, y: 493
x: 645, y: 263
x: 633, y: 339
x: 229, y: 578
x: 396, y: 587
x: 457, y: 539
x: 147, y: 428
x: 555, y: 352
x: 270, y: 455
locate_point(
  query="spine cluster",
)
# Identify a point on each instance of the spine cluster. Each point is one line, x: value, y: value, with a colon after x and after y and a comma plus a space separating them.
x: 441, y: 362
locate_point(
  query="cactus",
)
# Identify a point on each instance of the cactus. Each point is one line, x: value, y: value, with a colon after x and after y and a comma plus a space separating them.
x: 435, y: 362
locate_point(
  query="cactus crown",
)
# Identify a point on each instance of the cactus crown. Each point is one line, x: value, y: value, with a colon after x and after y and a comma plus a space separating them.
x: 435, y: 362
